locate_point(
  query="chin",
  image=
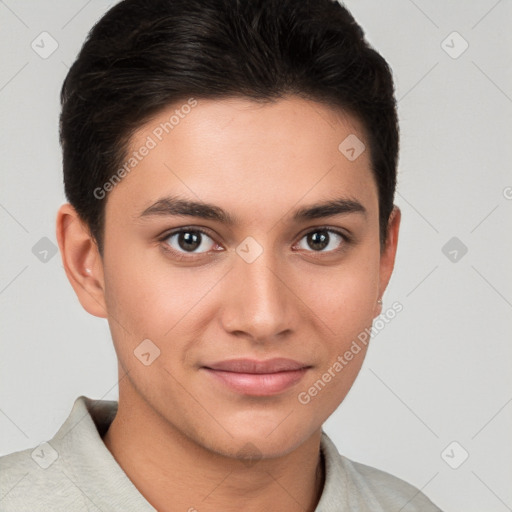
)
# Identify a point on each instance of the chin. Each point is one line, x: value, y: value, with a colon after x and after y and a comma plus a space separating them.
x: 251, y: 441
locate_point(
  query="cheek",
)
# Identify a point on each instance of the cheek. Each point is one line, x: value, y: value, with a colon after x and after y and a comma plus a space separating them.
x: 149, y: 302
x: 149, y: 298
x: 344, y: 297
x: 345, y: 304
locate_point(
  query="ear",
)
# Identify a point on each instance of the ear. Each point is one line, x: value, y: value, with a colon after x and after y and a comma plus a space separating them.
x: 388, y: 254
x: 82, y: 261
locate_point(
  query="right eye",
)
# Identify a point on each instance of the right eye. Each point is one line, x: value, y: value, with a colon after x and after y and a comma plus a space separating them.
x: 187, y: 241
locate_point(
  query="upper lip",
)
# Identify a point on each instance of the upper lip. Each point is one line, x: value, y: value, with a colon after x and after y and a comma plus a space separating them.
x: 275, y: 365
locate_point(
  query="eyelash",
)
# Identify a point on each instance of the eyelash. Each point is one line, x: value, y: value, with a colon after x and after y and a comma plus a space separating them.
x: 346, y: 240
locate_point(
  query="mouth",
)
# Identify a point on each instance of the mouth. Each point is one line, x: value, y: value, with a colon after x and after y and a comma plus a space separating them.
x: 257, y: 378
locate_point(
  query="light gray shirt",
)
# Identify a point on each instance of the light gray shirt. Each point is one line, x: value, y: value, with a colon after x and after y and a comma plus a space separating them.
x: 75, y: 472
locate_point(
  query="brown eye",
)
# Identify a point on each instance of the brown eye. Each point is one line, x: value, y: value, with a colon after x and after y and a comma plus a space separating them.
x: 189, y: 241
x: 323, y: 240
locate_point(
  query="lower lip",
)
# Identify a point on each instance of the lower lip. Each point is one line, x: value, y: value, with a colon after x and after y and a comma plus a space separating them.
x: 258, y: 384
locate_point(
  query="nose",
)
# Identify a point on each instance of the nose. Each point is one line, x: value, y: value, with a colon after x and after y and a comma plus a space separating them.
x: 259, y: 303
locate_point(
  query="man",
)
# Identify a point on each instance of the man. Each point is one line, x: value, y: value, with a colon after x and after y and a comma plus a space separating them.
x: 230, y: 167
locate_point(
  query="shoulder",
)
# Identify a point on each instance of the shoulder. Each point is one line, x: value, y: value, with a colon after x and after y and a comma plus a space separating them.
x: 34, y: 480
x: 51, y: 475
x: 390, y: 490
x: 364, y: 487
x: 72, y: 472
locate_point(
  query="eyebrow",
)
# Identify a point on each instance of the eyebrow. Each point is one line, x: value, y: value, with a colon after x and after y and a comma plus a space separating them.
x: 175, y: 206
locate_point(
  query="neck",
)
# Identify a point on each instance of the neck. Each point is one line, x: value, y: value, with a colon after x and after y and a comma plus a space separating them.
x: 175, y: 473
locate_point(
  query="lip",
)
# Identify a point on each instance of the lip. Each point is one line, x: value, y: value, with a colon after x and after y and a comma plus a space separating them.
x: 258, y: 378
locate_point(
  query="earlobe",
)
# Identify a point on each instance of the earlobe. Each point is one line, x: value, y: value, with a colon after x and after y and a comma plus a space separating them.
x: 378, y: 308
x: 81, y: 260
x: 387, y: 259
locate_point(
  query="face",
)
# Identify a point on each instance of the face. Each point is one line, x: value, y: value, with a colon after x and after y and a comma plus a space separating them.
x: 244, y: 305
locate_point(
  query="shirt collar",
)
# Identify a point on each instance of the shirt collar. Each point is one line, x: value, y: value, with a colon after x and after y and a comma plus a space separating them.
x: 93, y: 469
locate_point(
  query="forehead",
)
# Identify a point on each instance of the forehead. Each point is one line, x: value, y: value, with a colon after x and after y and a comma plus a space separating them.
x: 249, y: 154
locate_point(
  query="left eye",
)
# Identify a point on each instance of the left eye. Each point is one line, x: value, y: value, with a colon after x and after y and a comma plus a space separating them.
x: 189, y: 241
x: 321, y: 239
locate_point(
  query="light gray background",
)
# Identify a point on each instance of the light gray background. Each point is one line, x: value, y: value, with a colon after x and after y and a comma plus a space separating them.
x: 438, y: 373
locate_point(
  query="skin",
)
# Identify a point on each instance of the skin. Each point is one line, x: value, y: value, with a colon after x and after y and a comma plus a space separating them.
x: 178, y: 432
